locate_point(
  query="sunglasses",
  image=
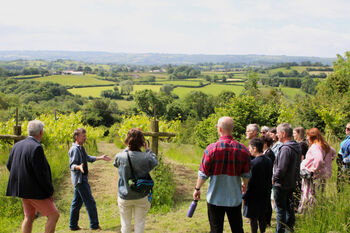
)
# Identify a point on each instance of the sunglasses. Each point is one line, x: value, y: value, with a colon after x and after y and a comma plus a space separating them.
x: 347, y: 128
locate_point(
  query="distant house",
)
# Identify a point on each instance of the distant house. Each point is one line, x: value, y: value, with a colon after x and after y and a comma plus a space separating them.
x: 71, y: 72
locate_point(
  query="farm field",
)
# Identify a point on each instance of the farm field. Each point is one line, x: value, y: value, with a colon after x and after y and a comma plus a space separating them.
x: 124, y: 104
x: 96, y: 91
x: 212, y: 89
x: 74, y: 80
x: 192, y: 82
x: 89, y: 91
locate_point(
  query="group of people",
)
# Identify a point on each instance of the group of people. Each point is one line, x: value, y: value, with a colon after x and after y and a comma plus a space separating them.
x: 30, y: 179
x: 264, y: 176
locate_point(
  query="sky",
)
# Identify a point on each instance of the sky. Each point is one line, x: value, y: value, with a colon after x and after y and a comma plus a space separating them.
x: 267, y: 27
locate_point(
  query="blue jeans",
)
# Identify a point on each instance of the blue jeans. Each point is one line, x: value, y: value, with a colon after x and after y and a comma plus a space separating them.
x: 82, y: 194
x: 284, y: 209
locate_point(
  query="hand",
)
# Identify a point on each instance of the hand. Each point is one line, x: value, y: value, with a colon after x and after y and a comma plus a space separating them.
x: 80, y: 167
x: 105, y: 158
x: 244, y: 188
x: 197, y: 195
x: 145, y: 145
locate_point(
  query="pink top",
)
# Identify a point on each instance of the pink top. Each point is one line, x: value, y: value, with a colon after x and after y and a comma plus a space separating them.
x: 314, y: 162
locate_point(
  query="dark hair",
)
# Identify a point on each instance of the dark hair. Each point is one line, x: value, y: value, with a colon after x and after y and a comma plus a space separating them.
x: 267, y: 140
x: 77, y: 132
x: 134, y: 139
x: 273, y: 130
x: 257, y: 143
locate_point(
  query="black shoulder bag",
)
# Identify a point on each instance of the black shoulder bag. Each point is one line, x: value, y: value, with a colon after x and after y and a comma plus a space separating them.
x: 142, y: 185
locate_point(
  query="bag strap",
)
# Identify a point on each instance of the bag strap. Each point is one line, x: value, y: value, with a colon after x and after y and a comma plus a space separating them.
x: 132, y: 170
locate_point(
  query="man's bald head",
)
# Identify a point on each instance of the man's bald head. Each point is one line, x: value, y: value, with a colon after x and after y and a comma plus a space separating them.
x: 226, y: 124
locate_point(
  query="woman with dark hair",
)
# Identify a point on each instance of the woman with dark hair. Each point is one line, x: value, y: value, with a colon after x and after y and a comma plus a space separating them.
x: 267, y: 142
x: 142, y: 163
x: 318, y: 161
x: 257, y: 197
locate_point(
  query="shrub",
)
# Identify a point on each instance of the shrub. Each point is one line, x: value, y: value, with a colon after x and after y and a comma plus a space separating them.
x: 164, y: 188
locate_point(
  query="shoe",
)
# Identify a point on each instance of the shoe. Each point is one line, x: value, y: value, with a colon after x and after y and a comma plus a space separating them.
x: 98, y: 228
x: 77, y: 228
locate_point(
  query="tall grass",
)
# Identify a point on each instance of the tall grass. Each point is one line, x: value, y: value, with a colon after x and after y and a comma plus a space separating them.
x: 331, y: 212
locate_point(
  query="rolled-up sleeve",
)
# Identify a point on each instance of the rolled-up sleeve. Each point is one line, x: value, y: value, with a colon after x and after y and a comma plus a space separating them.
x: 74, y: 158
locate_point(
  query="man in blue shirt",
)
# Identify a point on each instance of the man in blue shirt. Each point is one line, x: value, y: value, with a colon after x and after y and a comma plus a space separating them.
x: 227, y: 164
x: 78, y: 159
x: 345, y: 150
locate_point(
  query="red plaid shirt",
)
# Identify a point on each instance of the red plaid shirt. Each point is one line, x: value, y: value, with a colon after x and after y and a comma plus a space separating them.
x: 225, y: 157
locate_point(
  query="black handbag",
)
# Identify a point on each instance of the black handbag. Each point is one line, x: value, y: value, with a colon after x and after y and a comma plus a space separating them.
x: 142, y: 184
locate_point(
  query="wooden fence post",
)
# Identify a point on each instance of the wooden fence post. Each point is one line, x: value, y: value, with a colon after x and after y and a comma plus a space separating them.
x: 154, y: 140
x: 17, y: 130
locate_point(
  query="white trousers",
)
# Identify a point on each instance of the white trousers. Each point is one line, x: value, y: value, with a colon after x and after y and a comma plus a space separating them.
x: 140, y: 207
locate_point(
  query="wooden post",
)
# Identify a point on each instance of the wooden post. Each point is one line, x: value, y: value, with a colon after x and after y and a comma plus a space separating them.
x: 17, y: 130
x: 154, y: 140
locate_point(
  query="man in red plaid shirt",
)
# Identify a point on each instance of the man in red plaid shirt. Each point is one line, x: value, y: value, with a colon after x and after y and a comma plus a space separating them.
x: 227, y: 163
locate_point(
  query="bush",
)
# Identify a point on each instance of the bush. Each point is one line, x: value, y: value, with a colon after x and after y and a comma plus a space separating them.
x: 164, y: 188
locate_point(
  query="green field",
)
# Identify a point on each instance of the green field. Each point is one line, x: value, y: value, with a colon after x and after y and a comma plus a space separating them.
x: 193, y: 82
x: 212, y: 89
x: 89, y: 91
x: 96, y: 91
x: 124, y: 104
x: 75, y: 80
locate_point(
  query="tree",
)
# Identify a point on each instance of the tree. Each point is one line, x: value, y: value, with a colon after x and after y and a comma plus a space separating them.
x: 147, y: 100
x: 126, y: 87
x: 99, y: 112
x: 251, y: 85
x: 308, y: 85
x: 167, y: 88
x: 87, y: 70
x: 201, y: 105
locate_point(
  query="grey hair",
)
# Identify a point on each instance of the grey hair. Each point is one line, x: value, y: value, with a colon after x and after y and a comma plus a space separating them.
x: 34, y: 127
x: 287, y: 128
x: 253, y: 127
x: 225, y: 123
x: 265, y: 128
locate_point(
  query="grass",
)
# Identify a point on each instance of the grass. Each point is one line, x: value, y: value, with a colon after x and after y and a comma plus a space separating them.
x: 188, y: 155
x: 185, y: 82
x: 124, y: 104
x: 74, y: 80
x: 89, y: 91
x: 96, y: 91
x: 212, y: 89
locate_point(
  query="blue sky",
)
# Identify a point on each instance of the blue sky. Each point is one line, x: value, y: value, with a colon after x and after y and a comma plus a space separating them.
x: 271, y: 27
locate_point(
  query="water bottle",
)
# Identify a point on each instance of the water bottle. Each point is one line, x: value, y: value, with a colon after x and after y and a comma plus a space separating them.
x: 192, y: 208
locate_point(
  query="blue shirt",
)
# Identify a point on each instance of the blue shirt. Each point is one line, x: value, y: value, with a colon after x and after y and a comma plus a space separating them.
x: 224, y: 190
x: 345, y: 151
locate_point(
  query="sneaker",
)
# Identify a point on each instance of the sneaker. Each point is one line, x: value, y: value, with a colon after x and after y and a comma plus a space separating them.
x: 98, y: 228
x: 77, y: 228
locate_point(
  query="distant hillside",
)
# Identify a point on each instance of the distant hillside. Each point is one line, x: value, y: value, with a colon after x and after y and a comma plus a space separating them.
x: 156, y: 58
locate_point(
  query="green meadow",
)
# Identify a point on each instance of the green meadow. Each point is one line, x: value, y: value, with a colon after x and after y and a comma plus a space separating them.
x: 75, y: 80
x: 212, y: 89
